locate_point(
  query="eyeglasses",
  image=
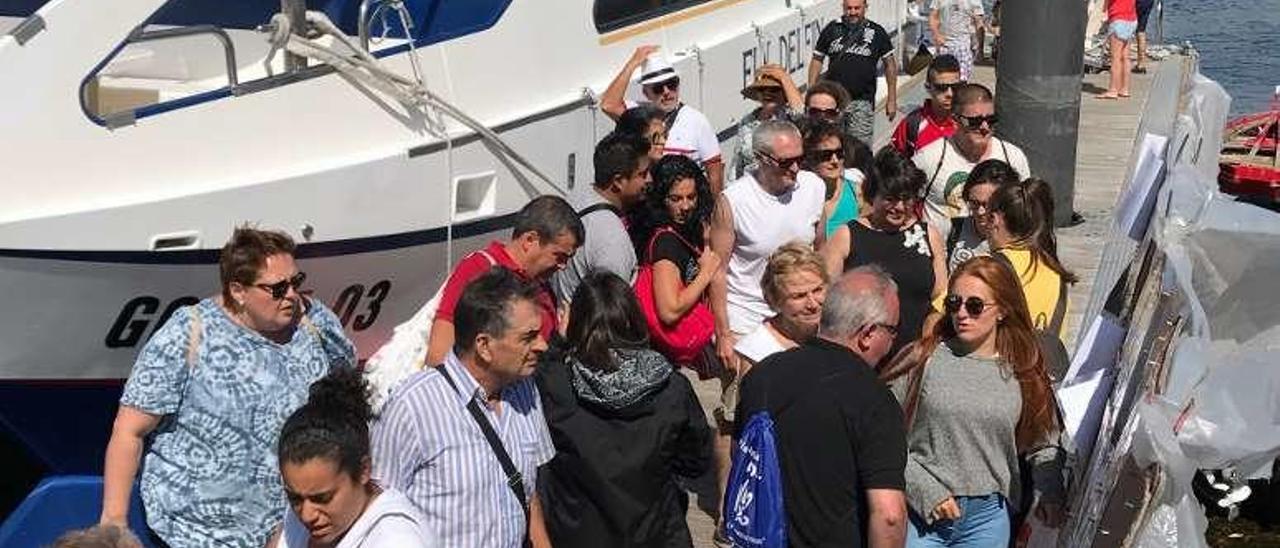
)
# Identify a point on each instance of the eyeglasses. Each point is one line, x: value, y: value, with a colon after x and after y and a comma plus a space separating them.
x: 658, y: 87
x: 892, y: 330
x: 942, y: 88
x: 974, y: 123
x: 978, y: 208
x: 823, y: 112
x: 825, y: 155
x: 281, y: 288
x: 785, y: 164
x: 973, y: 305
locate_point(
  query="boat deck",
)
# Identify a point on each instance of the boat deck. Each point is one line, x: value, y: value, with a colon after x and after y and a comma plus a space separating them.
x: 1108, y: 129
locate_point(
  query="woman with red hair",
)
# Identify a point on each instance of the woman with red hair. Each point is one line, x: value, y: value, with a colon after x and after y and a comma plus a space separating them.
x: 976, y: 398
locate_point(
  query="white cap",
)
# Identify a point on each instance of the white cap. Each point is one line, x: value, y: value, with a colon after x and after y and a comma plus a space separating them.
x: 656, y: 69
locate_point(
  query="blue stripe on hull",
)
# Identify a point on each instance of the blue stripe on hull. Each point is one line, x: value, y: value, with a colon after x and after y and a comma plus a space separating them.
x: 305, y: 250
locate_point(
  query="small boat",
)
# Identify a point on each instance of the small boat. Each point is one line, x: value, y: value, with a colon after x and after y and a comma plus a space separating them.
x: 1249, y: 165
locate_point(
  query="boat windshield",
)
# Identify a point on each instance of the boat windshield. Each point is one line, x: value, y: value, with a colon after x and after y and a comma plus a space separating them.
x: 192, y: 51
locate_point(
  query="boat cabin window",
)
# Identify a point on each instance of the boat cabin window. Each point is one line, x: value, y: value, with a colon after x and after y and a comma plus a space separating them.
x: 192, y: 51
x: 611, y: 15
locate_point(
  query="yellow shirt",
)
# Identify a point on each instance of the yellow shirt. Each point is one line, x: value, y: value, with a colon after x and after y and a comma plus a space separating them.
x: 1040, y: 285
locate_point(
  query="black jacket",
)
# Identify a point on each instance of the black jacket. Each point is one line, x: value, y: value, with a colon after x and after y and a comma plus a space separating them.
x: 612, y: 481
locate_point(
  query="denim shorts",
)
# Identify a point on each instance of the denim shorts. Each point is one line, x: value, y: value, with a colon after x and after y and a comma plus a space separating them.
x: 1123, y: 30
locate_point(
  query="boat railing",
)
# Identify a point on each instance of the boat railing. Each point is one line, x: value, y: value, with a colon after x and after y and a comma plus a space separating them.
x: 228, y: 48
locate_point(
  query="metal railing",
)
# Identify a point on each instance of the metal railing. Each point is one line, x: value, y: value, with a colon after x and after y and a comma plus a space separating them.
x: 228, y: 48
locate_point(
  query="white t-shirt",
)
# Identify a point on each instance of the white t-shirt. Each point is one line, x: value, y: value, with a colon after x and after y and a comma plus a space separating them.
x: 763, y: 222
x: 957, y: 17
x: 759, y: 344
x: 946, y: 171
x: 390, y: 521
x: 691, y: 135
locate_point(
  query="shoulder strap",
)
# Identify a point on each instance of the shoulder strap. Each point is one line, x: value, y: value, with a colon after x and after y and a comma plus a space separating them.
x: 1059, y: 309
x: 193, y: 337
x: 913, y: 131
x: 653, y: 240
x: 941, y: 158
x: 598, y: 207
x: 514, y: 480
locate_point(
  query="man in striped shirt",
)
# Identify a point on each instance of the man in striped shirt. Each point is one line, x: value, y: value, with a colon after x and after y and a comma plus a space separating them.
x: 427, y: 444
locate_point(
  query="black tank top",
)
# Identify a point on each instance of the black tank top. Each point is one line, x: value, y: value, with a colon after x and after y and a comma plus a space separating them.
x: 906, y: 256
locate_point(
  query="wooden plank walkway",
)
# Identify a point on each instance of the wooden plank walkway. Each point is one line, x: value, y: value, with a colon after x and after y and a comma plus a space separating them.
x: 1107, y: 133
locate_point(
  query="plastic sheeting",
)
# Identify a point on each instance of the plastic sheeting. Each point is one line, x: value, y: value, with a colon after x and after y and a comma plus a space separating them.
x: 1215, y: 402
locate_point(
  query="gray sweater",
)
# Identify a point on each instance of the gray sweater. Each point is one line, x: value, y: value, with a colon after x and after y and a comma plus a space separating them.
x: 962, y: 441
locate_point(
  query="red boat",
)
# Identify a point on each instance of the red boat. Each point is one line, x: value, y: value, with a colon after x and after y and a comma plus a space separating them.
x: 1249, y: 165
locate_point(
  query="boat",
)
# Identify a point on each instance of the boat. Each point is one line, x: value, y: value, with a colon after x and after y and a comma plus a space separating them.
x: 1249, y: 164
x: 387, y: 137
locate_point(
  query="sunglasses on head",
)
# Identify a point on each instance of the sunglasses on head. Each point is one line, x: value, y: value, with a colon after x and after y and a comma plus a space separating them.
x: 823, y: 112
x: 782, y: 163
x: 658, y: 87
x: 825, y: 155
x: 974, y: 123
x: 940, y: 88
x: 973, y: 305
x: 281, y: 288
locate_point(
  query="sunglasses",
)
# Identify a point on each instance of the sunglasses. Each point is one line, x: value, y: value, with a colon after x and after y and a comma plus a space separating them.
x: 974, y: 123
x: 823, y: 112
x: 281, y: 288
x: 783, y: 163
x: 940, y: 88
x: 973, y: 305
x: 659, y: 87
x: 825, y: 155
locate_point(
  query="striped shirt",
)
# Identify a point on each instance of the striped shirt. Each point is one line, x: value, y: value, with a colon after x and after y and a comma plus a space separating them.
x: 427, y: 445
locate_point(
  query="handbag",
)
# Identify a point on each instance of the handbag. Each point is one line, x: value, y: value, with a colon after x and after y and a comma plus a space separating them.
x: 683, y: 341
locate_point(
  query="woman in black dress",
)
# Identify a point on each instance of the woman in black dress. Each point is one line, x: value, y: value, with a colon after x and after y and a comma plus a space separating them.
x: 624, y: 426
x: 894, y: 237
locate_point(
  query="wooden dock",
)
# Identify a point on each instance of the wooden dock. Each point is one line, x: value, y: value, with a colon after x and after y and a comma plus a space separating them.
x: 1108, y: 129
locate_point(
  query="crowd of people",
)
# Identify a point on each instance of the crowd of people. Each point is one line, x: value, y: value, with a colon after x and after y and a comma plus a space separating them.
x: 888, y: 311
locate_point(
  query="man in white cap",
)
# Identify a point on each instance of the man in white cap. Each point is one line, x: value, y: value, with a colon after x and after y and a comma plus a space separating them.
x: 688, y: 131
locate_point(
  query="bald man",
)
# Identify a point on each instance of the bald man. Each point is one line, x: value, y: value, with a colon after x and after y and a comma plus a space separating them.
x: 839, y: 431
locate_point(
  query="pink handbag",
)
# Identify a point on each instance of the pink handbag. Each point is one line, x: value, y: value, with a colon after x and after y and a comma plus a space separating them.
x: 682, y: 342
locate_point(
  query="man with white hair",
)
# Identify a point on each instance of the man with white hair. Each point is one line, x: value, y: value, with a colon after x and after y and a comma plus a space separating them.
x: 838, y: 429
x: 689, y: 133
x: 769, y: 206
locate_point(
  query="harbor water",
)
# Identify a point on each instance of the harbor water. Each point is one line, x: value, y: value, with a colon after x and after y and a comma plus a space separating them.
x: 1238, y: 41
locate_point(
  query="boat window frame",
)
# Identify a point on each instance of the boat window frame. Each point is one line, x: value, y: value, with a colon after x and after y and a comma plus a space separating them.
x: 637, y: 17
x: 131, y: 116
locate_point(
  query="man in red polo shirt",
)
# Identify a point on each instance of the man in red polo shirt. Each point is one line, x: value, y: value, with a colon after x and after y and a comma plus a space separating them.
x: 546, y: 234
x: 932, y: 120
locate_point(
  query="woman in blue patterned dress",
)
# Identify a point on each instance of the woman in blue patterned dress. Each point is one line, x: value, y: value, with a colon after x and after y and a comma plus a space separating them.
x: 211, y: 390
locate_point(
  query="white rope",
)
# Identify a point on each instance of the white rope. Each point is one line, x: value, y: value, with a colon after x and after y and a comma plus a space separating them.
x: 366, y: 70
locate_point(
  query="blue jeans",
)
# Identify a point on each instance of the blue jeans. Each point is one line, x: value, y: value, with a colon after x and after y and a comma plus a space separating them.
x: 983, y: 523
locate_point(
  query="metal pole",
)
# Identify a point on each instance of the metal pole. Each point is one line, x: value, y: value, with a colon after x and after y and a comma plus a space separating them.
x: 1038, y: 81
x: 296, y: 11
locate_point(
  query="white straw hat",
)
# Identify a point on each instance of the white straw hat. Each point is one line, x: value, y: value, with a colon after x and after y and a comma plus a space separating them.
x: 656, y: 69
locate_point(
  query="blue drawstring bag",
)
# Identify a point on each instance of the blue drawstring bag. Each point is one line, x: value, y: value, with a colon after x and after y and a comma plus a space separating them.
x: 754, y: 515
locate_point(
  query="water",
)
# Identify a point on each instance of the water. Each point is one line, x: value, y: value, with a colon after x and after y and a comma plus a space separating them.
x: 1238, y: 41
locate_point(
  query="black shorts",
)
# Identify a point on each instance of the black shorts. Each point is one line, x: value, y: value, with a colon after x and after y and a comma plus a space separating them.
x: 1144, y: 11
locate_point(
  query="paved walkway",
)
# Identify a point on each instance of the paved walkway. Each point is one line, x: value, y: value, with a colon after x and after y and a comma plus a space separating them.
x: 1107, y: 132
